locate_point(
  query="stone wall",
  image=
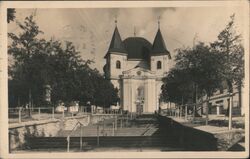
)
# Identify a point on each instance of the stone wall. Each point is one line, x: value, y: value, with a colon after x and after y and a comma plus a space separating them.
x: 19, y: 132
x: 186, y: 137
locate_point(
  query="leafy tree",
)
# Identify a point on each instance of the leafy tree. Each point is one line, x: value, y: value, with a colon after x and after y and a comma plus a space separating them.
x: 198, y: 66
x: 229, y: 43
x: 177, y: 87
x: 11, y: 14
x: 38, y: 63
x: 105, y: 93
x: 23, y: 47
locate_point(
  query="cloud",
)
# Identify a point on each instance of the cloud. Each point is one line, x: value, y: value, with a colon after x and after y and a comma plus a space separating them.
x: 158, y: 12
x: 114, y: 13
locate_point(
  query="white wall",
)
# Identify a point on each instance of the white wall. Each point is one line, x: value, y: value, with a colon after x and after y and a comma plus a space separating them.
x: 164, y: 64
x: 114, y: 72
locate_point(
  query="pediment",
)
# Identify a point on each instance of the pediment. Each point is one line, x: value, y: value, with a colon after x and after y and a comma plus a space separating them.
x: 138, y: 71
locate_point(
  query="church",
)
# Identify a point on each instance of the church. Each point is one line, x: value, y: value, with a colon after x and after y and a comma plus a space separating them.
x: 136, y: 67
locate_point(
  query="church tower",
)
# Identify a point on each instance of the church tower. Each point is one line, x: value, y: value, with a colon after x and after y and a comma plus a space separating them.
x: 159, y: 56
x: 116, y: 58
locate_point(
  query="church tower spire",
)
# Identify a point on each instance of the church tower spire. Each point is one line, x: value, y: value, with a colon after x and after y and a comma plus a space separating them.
x: 159, y: 47
x: 116, y: 44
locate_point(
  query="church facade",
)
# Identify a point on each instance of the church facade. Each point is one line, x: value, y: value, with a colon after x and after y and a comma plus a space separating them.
x: 136, y: 67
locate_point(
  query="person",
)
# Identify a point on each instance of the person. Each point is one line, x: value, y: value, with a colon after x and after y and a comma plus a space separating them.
x: 26, y: 108
x: 159, y: 111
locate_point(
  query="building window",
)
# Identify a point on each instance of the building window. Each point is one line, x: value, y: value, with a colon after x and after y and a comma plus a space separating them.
x: 118, y: 64
x: 158, y: 64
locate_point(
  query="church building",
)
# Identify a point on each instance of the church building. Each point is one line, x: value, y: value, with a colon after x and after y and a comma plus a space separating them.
x: 136, y: 67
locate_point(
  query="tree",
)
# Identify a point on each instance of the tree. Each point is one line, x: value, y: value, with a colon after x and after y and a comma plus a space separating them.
x: 177, y: 87
x: 105, y: 94
x: 11, y: 14
x: 198, y: 66
x: 39, y: 63
x: 229, y: 44
x: 23, y: 47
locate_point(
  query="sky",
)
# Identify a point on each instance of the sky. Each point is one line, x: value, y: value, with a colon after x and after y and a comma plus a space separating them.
x: 91, y: 29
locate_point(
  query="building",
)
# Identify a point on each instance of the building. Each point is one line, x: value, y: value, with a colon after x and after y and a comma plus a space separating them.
x: 136, y: 67
x: 219, y: 102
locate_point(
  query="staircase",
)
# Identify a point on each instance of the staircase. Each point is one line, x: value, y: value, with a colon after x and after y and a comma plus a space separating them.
x: 138, y: 133
x: 52, y: 143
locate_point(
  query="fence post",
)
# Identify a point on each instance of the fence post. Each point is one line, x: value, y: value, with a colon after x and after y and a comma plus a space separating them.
x: 53, y: 112
x: 185, y: 112
x: 181, y: 111
x: 115, y: 122
x: 230, y: 112
x: 81, y: 137
x: 121, y: 123
x: 63, y: 113
x: 127, y: 120
x: 39, y: 113
x: 68, y: 140
x: 97, y: 135
x: 103, y: 125
x: 113, y: 130
x: 194, y: 111
x: 20, y: 115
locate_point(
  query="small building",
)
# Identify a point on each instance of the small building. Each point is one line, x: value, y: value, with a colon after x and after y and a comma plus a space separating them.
x: 219, y: 103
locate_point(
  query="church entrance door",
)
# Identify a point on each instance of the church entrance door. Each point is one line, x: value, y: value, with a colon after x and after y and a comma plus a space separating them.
x: 139, y: 109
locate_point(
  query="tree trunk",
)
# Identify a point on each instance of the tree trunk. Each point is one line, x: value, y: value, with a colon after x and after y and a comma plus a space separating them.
x: 240, y: 100
x: 230, y: 111
x: 207, y: 108
x: 29, y: 107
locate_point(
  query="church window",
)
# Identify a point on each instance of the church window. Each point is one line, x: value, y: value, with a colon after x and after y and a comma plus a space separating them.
x: 118, y: 64
x: 158, y: 64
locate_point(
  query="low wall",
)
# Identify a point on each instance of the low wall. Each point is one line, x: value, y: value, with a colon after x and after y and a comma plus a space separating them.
x: 227, y: 139
x: 186, y: 137
x: 19, y: 132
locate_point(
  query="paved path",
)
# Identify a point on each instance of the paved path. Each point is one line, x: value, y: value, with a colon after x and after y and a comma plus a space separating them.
x: 208, y: 128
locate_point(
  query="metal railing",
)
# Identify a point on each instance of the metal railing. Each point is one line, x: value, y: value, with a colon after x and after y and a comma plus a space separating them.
x: 71, y: 132
x: 21, y: 114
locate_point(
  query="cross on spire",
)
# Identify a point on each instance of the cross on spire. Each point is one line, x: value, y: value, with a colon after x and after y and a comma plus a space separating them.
x: 159, y: 22
x: 115, y: 21
x: 135, y: 31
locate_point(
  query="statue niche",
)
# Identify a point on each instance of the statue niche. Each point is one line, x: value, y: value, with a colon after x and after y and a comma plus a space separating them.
x: 140, y: 100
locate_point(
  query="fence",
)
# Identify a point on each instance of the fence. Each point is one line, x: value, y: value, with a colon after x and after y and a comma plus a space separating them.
x: 20, y: 114
x: 26, y: 114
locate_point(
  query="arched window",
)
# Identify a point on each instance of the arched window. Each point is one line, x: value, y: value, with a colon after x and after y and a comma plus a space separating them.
x: 158, y: 64
x: 118, y: 64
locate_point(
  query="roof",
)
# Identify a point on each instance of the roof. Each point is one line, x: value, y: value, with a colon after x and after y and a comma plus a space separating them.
x: 116, y: 44
x: 137, y: 48
x: 159, y: 47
